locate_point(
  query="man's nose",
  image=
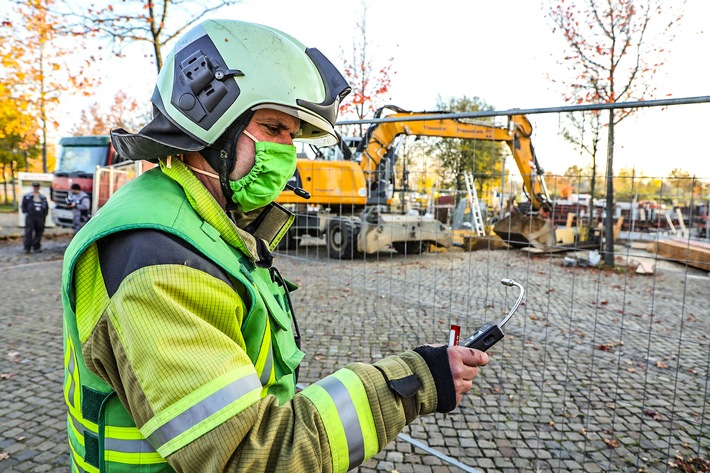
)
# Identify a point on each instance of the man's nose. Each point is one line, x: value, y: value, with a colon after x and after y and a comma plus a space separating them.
x: 285, y: 139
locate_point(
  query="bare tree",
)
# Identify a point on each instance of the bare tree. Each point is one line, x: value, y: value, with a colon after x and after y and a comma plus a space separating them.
x: 156, y: 22
x: 614, y: 49
x: 585, y: 133
x: 368, y: 83
x: 124, y: 112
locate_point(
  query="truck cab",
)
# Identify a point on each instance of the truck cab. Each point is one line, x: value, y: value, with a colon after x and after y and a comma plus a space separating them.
x: 77, y: 161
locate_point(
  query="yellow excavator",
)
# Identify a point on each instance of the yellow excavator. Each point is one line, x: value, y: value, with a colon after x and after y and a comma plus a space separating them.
x: 350, y: 194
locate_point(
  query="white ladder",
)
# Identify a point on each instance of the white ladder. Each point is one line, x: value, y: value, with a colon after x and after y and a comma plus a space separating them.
x: 475, y: 206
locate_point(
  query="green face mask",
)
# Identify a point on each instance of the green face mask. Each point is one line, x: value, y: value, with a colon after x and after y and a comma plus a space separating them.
x: 274, y: 165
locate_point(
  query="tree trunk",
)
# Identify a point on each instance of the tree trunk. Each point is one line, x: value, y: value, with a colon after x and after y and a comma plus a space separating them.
x: 14, y: 191
x: 43, y: 110
x: 158, y: 54
x: 592, y: 190
x: 609, y: 220
x: 4, y: 182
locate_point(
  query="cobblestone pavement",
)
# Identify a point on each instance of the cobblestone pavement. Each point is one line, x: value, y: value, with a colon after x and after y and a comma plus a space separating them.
x: 599, y: 370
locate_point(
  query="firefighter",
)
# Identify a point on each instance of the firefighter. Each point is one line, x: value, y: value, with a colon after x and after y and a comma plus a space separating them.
x: 35, y: 208
x: 80, y: 204
x: 179, y: 333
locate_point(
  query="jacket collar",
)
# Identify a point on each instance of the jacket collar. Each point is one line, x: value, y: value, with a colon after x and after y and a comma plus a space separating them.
x: 254, y: 233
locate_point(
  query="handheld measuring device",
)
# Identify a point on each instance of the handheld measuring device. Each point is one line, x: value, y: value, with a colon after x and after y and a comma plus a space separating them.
x: 489, y: 334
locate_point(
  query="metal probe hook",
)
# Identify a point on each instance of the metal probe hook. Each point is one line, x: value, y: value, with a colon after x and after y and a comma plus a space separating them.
x: 509, y: 282
x: 489, y: 334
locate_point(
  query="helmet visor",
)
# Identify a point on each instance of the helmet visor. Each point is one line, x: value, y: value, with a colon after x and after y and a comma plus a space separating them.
x: 313, y: 128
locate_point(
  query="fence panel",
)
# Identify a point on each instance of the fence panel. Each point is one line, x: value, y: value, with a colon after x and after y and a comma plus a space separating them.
x: 602, y: 369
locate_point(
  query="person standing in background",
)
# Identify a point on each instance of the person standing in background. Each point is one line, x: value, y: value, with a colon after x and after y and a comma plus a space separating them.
x: 80, y: 204
x: 35, y: 208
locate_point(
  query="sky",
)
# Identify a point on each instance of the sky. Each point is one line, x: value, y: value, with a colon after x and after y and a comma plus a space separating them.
x: 503, y: 51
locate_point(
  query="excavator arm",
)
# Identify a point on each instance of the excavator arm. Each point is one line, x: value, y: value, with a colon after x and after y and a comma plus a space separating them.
x: 524, y: 154
x: 354, y: 192
x: 378, y: 153
x: 378, y: 158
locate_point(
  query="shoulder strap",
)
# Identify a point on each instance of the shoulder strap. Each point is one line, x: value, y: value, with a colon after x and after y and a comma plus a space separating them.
x: 122, y: 253
x: 134, y: 207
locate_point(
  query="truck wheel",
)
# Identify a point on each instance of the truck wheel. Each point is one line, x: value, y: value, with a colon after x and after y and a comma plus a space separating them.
x: 408, y: 247
x: 289, y: 241
x: 341, y: 239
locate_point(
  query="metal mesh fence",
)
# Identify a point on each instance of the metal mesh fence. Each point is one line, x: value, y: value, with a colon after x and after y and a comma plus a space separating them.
x: 603, y: 368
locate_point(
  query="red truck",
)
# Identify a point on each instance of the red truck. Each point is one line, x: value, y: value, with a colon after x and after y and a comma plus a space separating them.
x: 77, y: 161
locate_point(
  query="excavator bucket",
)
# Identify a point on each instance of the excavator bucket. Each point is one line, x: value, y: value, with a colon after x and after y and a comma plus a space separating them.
x: 521, y: 230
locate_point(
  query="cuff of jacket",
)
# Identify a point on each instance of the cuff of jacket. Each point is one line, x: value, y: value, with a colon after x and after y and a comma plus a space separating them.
x: 408, y: 376
x: 437, y: 359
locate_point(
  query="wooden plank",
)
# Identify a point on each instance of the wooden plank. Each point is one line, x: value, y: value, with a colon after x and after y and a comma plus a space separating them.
x: 581, y: 245
x: 687, y: 252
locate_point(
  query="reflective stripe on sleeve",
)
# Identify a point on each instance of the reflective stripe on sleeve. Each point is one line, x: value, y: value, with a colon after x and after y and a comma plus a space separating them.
x: 342, y: 402
x: 203, y: 410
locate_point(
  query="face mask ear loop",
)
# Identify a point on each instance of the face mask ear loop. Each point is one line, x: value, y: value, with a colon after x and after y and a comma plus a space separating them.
x: 251, y: 136
x: 203, y: 172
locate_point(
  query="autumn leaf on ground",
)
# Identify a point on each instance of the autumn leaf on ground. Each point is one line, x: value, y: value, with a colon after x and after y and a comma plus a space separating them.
x: 4, y: 456
x: 652, y: 414
x: 14, y: 356
x: 6, y: 375
x: 611, y: 443
x: 607, y: 347
x: 690, y: 465
x: 660, y: 364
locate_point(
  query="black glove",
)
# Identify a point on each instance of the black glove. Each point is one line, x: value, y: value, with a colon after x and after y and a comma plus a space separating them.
x: 437, y: 358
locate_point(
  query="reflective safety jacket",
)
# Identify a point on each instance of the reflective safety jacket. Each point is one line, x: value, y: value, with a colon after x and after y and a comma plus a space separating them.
x: 181, y: 356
